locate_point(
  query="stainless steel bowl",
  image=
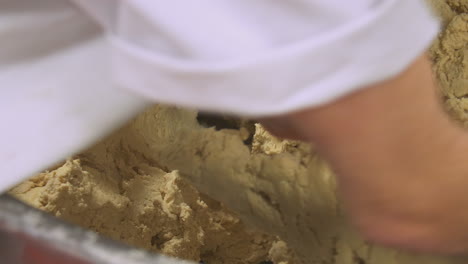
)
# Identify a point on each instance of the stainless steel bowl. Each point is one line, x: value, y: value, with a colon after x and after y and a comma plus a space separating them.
x: 30, y: 236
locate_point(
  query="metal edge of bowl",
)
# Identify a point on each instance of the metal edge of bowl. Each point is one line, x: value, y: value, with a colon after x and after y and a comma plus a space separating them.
x: 18, y: 218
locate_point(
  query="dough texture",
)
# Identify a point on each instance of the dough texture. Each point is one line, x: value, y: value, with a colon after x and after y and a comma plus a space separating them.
x: 450, y: 56
x: 164, y: 182
x: 120, y: 193
x: 134, y: 186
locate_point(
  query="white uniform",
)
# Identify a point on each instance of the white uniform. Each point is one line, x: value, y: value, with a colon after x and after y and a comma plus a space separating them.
x: 246, y: 57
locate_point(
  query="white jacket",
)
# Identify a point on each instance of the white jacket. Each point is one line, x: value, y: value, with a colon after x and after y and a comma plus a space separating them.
x: 249, y: 57
x: 71, y: 70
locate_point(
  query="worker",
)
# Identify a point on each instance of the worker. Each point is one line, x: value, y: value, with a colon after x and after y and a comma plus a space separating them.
x: 350, y: 77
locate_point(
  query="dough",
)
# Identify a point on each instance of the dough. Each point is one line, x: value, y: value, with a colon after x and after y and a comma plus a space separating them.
x: 120, y: 193
x: 134, y: 187
x: 163, y: 182
x: 450, y: 55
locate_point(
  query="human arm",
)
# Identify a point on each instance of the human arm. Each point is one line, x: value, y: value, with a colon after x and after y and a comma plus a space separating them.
x: 399, y: 159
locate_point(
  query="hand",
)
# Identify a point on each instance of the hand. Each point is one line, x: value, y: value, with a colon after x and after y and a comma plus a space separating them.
x: 401, y: 164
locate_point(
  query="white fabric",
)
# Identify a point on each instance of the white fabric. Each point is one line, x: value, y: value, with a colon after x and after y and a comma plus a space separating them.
x: 73, y: 70
x: 260, y: 57
x: 57, y: 96
x: 247, y: 57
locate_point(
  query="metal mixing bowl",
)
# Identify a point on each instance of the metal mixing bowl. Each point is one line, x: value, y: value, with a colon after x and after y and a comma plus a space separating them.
x: 30, y: 236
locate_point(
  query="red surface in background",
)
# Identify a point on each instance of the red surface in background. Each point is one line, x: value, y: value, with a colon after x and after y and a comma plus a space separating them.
x: 35, y: 253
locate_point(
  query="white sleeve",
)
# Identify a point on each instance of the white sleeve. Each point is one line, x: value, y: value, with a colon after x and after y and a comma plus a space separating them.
x: 259, y: 57
x: 69, y: 81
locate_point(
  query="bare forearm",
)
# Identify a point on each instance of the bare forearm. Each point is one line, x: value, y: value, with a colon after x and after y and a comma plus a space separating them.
x: 399, y: 162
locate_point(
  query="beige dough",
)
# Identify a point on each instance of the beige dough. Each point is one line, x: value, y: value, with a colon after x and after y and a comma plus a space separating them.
x: 119, y: 192
x: 450, y: 54
x: 136, y: 185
